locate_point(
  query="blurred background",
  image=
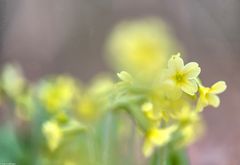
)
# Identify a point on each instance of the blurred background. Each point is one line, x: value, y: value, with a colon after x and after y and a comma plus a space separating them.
x: 59, y: 36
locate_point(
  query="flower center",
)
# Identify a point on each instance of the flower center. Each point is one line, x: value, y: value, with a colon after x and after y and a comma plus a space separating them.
x: 179, y: 77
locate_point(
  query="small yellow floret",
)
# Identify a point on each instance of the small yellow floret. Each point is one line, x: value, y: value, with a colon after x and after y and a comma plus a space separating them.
x: 183, y: 76
x: 208, y: 96
x: 157, y: 137
x: 58, y: 94
x: 53, y: 134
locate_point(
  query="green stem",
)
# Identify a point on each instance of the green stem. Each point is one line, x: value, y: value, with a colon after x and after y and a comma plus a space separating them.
x: 131, y: 146
x: 139, y: 117
x: 107, y: 139
x: 160, y: 156
x: 91, y: 147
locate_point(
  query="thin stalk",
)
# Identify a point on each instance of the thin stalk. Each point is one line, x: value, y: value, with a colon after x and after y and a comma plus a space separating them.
x: 139, y: 117
x: 107, y: 139
x: 91, y: 147
x: 160, y: 156
x: 131, y: 145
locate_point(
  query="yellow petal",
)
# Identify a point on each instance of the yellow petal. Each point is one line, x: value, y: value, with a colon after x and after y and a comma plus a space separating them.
x: 160, y: 137
x: 190, y: 87
x: 146, y: 107
x: 192, y: 70
x: 213, y: 100
x: 175, y: 63
x: 53, y: 134
x: 125, y: 76
x: 148, y: 148
x: 218, y: 87
x: 171, y: 90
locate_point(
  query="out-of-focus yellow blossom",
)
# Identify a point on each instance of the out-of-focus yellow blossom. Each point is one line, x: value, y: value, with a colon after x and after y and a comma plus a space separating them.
x: 87, y: 108
x: 53, y: 134
x: 208, y: 96
x: 148, y: 110
x: 163, y: 102
x: 101, y: 86
x: 182, y: 76
x: 157, y: 137
x: 94, y: 100
x: 12, y: 81
x: 190, y: 125
x: 58, y: 94
x: 143, y: 44
x: 125, y: 77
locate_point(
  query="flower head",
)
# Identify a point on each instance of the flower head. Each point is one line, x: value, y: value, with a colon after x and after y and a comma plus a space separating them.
x: 157, y: 137
x: 149, y: 112
x: 140, y: 44
x: 183, y: 76
x: 53, y: 134
x: 208, y: 96
x: 57, y: 94
x: 189, y: 124
x: 12, y: 81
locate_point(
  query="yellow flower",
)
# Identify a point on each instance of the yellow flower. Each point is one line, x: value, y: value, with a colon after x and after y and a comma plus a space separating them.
x: 125, y: 77
x: 187, y: 116
x: 87, y: 108
x: 53, y: 134
x: 190, y: 133
x: 149, y: 112
x: 57, y: 95
x: 190, y: 125
x: 182, y: 76
x: 140, y: 44
x: 12, y: 82
x: 208, y: 96
x: 94, y: 99
x: 157, y: 137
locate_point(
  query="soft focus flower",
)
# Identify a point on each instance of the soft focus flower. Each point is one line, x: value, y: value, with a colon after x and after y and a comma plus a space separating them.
x: 148, y: 110
x: 190, y: 125
x: 53, y: 134
x: 12, y: 81
x: 93, y: 101
x: 157, y: 137
x: 57, y: 94
x: 183, y: 76
x: 140, y: 44
x: 208, y: 96
x: 82, y: 124
x: 125, y: 77
x: 87, y: 108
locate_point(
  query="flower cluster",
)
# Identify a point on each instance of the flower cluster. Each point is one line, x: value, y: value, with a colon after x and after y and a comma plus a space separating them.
x: 74, y: 123
x: 172, y: 97
x: 171, y: 104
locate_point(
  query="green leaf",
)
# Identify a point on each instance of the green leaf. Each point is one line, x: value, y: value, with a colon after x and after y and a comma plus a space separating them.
x: 10, y: 150
x: 178, y: 157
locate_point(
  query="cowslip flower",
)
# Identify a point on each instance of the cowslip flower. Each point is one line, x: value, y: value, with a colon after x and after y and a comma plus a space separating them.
x: 53, y: 134
x: 92, y: 102
x: 148, y: 110
x: 189, y: 125
x: 153, y: 114
x: 208, y: 96
x: 140, y: 44
x: 182, y: 76
x: 12, y: 81
x: 57, y: 94
x: 87, y: 108
x: 157, y: 137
